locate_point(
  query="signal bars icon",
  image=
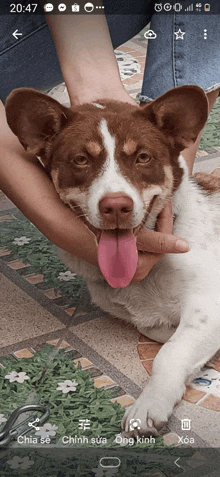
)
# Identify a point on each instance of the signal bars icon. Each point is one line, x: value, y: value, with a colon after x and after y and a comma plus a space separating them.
x: 189, y: 8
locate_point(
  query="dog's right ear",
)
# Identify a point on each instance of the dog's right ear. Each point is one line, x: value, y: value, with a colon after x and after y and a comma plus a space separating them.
x: 35, y: 119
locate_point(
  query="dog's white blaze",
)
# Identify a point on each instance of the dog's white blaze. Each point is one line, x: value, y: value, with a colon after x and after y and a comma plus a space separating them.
x: 111, y: 180
x: 108, y: 141
x: 97, y: 105
x: 183, y: 165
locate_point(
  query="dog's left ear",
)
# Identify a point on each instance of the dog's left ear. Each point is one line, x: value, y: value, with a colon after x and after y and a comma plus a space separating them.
x: 180, y: 114
x: 35, y: 119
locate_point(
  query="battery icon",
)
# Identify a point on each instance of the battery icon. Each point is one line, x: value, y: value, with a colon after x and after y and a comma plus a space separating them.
x: 207, y: 7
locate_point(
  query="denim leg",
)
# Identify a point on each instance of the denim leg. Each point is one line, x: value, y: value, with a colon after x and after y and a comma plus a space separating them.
x: 31, y: 61
x: 174, y: 62
x: 123, y: 23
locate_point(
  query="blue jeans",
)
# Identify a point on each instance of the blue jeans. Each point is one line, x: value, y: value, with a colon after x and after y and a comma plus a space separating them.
x: 31, y: 61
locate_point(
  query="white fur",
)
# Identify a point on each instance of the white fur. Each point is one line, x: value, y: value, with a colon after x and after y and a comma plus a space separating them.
x: 97, y: 105
x: 111, y: 180
x: 179, y: 299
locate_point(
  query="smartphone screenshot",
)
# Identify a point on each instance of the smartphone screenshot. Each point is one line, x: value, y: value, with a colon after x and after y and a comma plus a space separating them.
x: 109, y: 238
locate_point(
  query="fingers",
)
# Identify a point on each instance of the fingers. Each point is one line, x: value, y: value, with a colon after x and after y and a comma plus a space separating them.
x: 165, y: 220
x: 152, y: 245
x: 162, y: 240
x: 146, y: 261
x: 157, y: 242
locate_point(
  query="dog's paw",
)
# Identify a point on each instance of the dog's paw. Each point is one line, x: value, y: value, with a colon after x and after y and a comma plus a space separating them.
x: 146, y: 416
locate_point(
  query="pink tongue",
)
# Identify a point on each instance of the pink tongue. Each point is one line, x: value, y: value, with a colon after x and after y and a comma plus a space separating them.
x: 117, y: 257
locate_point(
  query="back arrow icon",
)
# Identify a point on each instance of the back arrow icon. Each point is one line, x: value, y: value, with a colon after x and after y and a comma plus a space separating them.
x: 15, y: 34
x: 176, y: 462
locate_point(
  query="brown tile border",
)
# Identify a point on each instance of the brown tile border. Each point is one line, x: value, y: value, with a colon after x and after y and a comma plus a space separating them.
x: 124, y: 401
x: 103, y: 381
x: 5, y: 218
x: 18, y: 264
x: 193, y: 395
x: 148, y: 350
x: 64, y: 344
x: 4, y: 252
x: 85, y: 363
x: 52, y: 294
x: 54, y: 301
x: 211, y: 402
x: 34, y: 279
x: 148, y: 364
x: 70, y: 311
x: 23, y: 353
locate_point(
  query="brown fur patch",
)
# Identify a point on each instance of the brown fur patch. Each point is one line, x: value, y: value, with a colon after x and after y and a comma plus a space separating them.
x: 130, y: 147
x: 94, y: 148
x: 209, y: 182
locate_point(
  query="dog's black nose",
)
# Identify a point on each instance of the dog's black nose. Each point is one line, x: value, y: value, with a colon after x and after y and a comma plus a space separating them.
x: 116, y: 208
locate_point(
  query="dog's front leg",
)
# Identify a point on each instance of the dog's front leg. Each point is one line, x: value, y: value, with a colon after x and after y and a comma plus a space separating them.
x: 195, y: 341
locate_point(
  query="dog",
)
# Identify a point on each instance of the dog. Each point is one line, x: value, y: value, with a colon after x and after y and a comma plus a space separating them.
x: 117, y: 166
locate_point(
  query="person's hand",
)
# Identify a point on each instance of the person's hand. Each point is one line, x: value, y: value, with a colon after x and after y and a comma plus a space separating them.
x: 152, y: 245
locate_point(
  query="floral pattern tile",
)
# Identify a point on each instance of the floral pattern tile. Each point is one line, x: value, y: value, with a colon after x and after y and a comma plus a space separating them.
x: 128, y: 64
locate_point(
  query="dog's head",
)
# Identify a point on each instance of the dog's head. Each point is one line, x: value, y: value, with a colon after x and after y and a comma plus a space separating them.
x: 113, y: 163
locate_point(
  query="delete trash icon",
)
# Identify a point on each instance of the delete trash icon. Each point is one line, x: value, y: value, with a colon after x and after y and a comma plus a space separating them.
x: 150, y: 35
x: 185, y: 424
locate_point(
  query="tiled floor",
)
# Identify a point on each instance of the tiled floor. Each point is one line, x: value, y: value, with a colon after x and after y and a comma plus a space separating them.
x: 100, y: 380
x: 199, y: 393
x: 32, y: 315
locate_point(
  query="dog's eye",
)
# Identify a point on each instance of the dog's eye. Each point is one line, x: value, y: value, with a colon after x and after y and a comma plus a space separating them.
x: 143, y: 158
x: 80, y: 160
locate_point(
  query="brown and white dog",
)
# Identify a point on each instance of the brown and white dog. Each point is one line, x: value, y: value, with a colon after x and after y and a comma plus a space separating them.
x: 117, y: 166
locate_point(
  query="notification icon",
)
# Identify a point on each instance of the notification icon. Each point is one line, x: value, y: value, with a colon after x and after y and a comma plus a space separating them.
x: 61, y: 7
x: 48, y: 7
x: 89, y: 7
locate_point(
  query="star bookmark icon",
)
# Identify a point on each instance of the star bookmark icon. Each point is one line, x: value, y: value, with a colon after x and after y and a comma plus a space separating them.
x: 179, y: 34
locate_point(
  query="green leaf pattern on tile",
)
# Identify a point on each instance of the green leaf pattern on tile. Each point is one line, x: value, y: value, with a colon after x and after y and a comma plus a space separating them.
x: 84, y: 402
x: 41, y: 254
x: 211, y: 133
